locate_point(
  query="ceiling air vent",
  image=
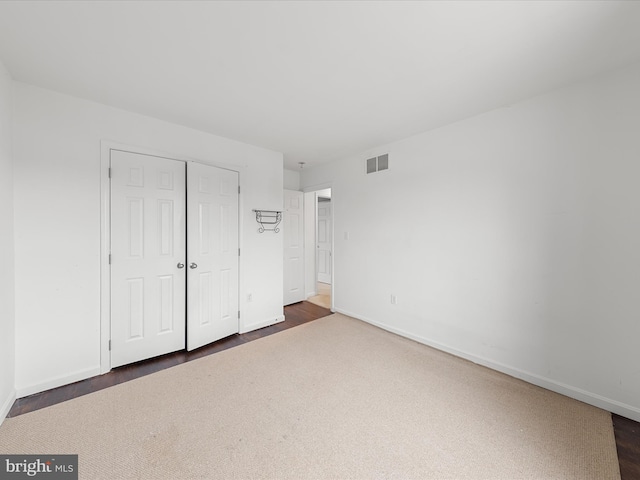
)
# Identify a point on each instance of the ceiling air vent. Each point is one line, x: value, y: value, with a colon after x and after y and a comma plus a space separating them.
x: 377, y: 164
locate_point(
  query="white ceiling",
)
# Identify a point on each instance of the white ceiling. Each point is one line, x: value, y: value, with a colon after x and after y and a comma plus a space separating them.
x: 315, y: 80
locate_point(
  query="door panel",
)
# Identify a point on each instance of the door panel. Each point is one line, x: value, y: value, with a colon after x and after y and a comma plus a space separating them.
x: 212, y: 308
x: 324, y: 242
x: 148, y: 289
x: 293, y: 225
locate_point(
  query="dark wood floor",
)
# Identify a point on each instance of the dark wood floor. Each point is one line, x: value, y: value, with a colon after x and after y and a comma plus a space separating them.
x: 295, y: 315
x: 627, y: 432
x: 628, y: 445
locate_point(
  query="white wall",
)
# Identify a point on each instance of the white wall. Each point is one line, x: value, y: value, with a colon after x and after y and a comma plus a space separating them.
x: 511, y: 238
x: 57, y: 226
x: 7, y: 316
x: 291, y: 180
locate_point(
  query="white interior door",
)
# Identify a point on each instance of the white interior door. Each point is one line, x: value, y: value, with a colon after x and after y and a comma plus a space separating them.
x: 293, y: 230
x: 148, y: 253
x: 212, y: 241
x: 324, y: 241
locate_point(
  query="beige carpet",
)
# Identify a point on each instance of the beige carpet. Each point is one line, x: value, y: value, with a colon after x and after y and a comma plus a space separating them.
x: 323, y: 298
x: 332, y: 399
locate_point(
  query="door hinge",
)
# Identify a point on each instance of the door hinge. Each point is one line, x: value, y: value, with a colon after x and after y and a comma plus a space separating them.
x: 109, y: 172
x: 109, y: 345
x: 238, y: 313
x: 238, y: 252
x: 238, y: 189
x: 109, y: 259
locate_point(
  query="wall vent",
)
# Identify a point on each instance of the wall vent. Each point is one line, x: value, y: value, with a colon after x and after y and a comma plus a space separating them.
x: 377, y: 164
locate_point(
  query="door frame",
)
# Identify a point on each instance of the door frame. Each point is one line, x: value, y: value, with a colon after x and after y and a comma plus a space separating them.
x: 105, y: 232
x: 315, y: 189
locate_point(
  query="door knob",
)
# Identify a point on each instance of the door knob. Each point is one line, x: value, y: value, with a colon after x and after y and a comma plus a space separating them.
x: 193, y: 265
x: 180, y: 265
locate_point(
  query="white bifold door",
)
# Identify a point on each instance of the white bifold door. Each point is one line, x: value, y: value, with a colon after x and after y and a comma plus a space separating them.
x: 212, y: 245
x: 174, y: 255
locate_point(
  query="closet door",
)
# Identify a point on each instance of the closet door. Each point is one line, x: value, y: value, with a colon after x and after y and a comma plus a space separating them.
x: 148, y: 256
x: 212, y: 242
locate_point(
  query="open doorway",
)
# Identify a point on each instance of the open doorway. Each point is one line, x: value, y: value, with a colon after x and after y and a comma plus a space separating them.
x: 319, y: 258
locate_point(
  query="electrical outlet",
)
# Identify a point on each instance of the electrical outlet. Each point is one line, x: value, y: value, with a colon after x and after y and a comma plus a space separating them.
x: 249, y: 297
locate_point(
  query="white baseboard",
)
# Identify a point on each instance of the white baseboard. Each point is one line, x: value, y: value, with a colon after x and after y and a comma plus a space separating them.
x: 6, y: 405
x: 594, y: 399
x: 264, y: 323
x: 57, y: 382
x: 311, y: 294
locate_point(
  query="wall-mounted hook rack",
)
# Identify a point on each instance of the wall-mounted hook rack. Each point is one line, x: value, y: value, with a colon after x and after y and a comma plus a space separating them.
x: 268, y: 217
